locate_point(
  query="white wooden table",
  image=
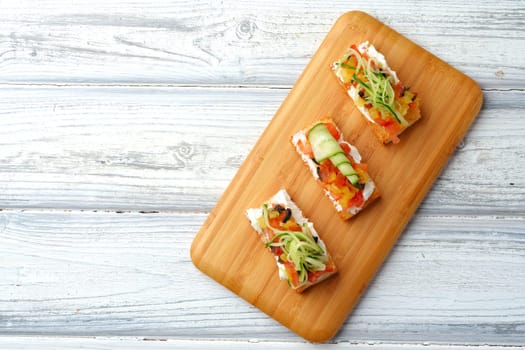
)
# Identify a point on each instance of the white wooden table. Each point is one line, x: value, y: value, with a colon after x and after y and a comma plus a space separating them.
x: 122, y: 122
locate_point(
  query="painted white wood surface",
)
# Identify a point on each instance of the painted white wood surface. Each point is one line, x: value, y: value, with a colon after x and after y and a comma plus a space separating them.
x: 105, y: 273
x: 104, y: 343
x: 174, y: 148
x: 238, y: 42
x: 121, y: 123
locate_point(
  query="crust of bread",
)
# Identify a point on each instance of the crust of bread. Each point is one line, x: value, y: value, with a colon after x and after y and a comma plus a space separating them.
x: 347, y: 215
x: 320, y: 279
x: 381, y: 132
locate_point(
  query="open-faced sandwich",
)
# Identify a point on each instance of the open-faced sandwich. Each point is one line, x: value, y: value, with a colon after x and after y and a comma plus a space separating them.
x: 388, y: 105
x: 301, y: 256
x: 337, y: 167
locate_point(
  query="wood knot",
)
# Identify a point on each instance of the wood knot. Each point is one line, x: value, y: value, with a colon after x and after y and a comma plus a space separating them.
x: 184, y: 152
x: 245, y: 29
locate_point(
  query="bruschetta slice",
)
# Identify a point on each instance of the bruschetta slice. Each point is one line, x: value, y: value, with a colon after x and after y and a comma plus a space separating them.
x: 337, y: 167
x: 301, y: 256
x: 388, y: 106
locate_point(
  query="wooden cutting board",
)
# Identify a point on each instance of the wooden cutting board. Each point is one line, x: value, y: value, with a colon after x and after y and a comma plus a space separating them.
x: 229, y: 251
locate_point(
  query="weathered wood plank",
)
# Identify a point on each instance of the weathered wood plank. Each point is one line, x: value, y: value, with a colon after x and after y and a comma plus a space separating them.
x: 177, y: 149
x: 232, y: 42
x: 449, y: 279
x: 111, y: 343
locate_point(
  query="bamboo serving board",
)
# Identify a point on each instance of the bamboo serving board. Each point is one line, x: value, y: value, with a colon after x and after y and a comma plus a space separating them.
x: 228, y: 250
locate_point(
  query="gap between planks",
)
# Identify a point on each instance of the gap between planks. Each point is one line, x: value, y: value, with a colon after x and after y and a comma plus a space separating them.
x: 421, y: 213
x: 40, y: 210
x: 187, y: 86
x: 101, y: 343
x: 149, y: 85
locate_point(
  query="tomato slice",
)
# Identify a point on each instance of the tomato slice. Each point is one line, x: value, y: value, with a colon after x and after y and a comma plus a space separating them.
x: 284, y: 223
x: 364, y: 55
x: 326, y: 168
x: 398, y: 90
x: 306, y: 148
x: 346, y: 148
x: 333, y: 130
x: 277, y: 251
x: 341, y: 180
x: 313, y: 276
x: 357, y: 200
x: 274, y: 222
x: 330, y: 266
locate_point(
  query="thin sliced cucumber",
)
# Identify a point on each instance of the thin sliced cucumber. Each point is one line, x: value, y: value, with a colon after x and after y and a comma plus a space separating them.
x: 339, y: 158
x: 347, y: 170
x: 347, y: 66
x: 378, y: 85
x: 323, y: 143
x: 300, y: 248
x: 325, y: 146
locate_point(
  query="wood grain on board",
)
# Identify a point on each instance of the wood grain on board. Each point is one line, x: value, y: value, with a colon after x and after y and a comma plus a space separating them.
x: 229, y: 251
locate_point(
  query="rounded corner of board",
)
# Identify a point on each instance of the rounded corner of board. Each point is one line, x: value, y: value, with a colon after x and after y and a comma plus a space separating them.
x: 321, y: 335
x: 479, y: 92
x: 475, y: 93
x: 194, y: 254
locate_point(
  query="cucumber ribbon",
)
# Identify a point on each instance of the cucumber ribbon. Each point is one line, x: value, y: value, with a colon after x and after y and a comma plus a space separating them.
x: 325, y: 146
x: 379, y: 90
x: 299, y: 246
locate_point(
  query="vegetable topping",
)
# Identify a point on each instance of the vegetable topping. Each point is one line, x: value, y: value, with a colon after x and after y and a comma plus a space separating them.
x: 297, y: 247
x: 325, y: 146
x: 374, y: 87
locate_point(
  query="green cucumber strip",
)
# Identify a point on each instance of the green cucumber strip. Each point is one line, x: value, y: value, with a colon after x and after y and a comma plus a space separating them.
x: 323, y: 143
x: 391, y: 111
x: 325, y: 146
x: 343, y: 164
x: 300, y: 248
x: 305, y: 255
x: 347, y: 170
x: 347, y: 66
x: 338, y: 159
x: 378, y: 86
x: 362, y: 83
